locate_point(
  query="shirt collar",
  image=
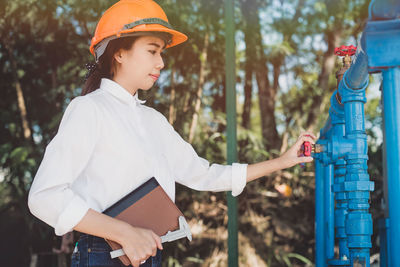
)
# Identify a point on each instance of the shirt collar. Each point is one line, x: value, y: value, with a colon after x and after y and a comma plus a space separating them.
x: 119, y: 92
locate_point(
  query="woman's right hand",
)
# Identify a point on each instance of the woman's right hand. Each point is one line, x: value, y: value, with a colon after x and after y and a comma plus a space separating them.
x: 139, y: 244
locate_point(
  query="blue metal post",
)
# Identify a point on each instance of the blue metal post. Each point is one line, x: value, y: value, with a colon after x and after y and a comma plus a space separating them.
x: 319, y: 215
x: 391, y: 102
x: 381, y: 41
x: 384, y: 251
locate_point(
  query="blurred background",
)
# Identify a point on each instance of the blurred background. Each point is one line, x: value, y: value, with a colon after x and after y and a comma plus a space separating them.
x: 285, y: 66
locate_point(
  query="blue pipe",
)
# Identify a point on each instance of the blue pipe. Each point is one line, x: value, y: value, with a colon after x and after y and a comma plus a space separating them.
x: 324, y: 180
x: 336, y: 117
x: 329, y: 204
x: 384, y: 251
x: 324, y: 204
x: 336, y: 113
x: 389, y: 258
x: 347, y: 150
x: 326, y: 135
x: 357, y: 185
x: 391, y: 100
x: 384, y: 9
x: 341, y: 209
x: 320, y: 258
x: 383, y: 224
x: 353, y: 192
x: 357, y: 75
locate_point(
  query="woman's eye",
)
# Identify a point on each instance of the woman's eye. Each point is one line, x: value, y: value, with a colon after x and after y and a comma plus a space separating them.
x: 153, y: 52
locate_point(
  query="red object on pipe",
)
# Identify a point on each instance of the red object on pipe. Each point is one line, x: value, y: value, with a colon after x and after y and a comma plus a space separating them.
x: 345, y: 50
x: 307, y: 149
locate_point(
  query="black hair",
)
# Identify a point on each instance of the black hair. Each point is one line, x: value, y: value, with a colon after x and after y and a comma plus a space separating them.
x: 105, y: 66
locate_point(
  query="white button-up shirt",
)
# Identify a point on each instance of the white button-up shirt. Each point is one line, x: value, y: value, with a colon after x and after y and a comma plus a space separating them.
x: 108, y: 144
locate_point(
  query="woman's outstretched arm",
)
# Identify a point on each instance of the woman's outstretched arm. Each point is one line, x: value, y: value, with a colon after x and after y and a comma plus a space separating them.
x: 286, y: 160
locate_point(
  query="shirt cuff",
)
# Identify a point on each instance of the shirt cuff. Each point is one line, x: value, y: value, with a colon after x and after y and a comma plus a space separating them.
x: 71, y: 216
x: 239, y: 175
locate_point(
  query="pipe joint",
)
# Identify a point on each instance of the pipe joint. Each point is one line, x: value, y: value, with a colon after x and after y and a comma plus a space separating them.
x: 357, y: 198
x: 339, y: 148
x: 359, y: 229
x: 336, y: 111
x: 363, y: 185
x: 352, y: 94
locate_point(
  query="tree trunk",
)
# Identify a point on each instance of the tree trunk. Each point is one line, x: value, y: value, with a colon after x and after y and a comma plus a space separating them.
x: 22, y: 110
x: 26, y: 130
x: 248, y: 88
x: 276, y: 72
x: 186, y: 101
x: 203, y: 61
x: 266, y: 98
x: 249, y: 11
x: 266, y: 93
x: 333, y: 39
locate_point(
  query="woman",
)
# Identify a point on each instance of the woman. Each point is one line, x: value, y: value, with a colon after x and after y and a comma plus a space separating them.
x: 109, y: 143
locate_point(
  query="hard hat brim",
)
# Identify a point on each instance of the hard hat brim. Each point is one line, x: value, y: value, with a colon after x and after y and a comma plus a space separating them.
x: 177, y: 37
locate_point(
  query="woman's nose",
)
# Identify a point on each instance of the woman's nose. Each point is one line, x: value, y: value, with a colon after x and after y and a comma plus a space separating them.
x: 160, y: 63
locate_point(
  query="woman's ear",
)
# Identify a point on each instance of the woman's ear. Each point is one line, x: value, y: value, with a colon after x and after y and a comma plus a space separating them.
x: 118, y: 56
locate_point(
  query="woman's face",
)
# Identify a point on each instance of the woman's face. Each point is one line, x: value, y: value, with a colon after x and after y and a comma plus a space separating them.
x: 140, y: 66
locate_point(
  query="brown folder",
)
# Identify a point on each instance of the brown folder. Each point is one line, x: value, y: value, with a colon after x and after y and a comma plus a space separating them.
x: 148, y: 207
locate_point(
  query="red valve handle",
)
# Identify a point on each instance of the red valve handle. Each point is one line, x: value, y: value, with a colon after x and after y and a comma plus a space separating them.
x: 345, y: 50
x: 306, y: 148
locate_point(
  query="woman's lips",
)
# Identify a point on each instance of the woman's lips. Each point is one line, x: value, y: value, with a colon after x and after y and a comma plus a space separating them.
x: 155, y: 77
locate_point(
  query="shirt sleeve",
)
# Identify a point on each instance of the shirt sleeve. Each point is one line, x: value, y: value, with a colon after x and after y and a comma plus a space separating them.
x: 50, y: 197
x: 197, y: 173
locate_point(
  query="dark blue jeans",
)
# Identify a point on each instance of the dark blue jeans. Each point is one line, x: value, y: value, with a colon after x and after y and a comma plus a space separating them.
x: 94, y: 251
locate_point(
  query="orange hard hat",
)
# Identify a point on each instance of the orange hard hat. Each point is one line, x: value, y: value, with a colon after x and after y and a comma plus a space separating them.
x: 132, y: 17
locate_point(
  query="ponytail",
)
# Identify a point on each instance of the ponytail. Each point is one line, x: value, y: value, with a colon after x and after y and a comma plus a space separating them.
x: 93, y: 78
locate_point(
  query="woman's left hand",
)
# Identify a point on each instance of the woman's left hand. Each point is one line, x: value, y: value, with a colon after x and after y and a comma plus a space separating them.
x: 294, y: 156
